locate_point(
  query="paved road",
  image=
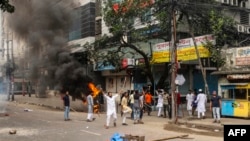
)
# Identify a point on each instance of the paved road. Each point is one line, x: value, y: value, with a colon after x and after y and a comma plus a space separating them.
x: 79, y: 129
x: 43, y: 124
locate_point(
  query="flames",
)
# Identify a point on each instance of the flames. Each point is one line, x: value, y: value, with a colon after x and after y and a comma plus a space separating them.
x: 94, y: 89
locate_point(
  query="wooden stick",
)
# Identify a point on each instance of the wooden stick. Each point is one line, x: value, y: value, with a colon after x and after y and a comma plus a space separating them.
x: 73, y: 109
x: 124, y: 82
x: 168, y: 138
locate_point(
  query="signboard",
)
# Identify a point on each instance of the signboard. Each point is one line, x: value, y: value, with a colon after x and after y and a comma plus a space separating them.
x: 238, y: 76
x: 242, y: 56
x: 185, y: 49
x: 101, y: 66
x: 128, y: 62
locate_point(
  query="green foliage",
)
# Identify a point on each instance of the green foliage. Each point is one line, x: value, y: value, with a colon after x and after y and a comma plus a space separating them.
x: 5, y: 6
x: 215, y: 54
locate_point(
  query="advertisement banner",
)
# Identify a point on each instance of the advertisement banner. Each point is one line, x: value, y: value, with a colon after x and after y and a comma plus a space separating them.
x: 185, y: 49
x: 242, y: 56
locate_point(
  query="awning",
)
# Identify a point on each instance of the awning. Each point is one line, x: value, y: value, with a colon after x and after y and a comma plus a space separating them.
x: 230, y: 72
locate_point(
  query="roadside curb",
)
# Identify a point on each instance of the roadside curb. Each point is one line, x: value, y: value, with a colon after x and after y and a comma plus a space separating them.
x: 199, y: 125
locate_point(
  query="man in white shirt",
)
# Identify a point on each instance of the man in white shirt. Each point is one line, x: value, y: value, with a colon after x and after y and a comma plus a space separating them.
x: 111, y: 108
x: 201, y: 103
x: 90, y: 116
x: 189, y: 99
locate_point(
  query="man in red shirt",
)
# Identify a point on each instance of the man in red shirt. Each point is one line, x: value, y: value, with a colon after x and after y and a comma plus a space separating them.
x: 178, y: 96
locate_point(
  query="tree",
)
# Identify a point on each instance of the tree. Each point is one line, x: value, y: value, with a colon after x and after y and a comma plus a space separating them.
x: 5, y: 6
x: 201, y: 16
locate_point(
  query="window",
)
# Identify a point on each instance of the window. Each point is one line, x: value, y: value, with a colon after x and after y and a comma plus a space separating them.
x: 235, y: 93
x: 240, y: 94
x: 244, y: 18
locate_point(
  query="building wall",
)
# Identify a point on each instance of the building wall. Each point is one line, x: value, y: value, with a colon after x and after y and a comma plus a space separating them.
x: 83, y: 24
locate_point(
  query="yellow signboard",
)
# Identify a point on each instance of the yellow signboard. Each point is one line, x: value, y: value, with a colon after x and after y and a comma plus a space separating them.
x: 185, y: 49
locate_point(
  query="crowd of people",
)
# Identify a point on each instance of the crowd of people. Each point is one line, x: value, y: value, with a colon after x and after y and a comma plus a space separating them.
x: 136, y: 103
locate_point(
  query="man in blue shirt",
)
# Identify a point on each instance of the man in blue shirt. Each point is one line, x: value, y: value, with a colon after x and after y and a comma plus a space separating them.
x: 215, y: 105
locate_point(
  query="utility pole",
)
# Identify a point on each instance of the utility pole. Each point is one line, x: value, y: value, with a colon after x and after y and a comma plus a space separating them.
x: 173, y: 62
x: 8, y: 71
x: 12, y: 70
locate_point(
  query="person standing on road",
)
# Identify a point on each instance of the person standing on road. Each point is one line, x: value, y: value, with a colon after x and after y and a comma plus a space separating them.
x: 111, y: 108
x: 194, y: 105
x: 137, y: 107
x: 90, y: 102
x: 159, y: 105
x: 148, y: 102
x: 201, y: 104
x: 215, y: 105
x: 189, y: 99
x: 141, y: 100
x: 131, y: 103
x: 66, y: 103
x: 165, y: 104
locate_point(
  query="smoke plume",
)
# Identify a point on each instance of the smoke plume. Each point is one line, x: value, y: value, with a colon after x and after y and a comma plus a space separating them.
x: 44, y: 25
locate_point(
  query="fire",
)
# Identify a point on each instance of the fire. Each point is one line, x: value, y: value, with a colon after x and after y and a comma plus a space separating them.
x: 95, y: 91
x: 93, y: 88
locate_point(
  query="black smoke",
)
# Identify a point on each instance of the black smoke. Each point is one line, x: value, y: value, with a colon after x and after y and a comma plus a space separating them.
x: 44, y: 25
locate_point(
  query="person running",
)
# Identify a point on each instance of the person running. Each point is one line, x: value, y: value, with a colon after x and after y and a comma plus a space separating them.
x: 66, y: 103
x: 189, y: 99
x: 90, y: 102
x: 111, y: 108
x: 215, y: 105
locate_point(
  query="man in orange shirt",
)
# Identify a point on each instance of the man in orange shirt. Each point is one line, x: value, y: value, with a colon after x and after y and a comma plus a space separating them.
x: 148, y: 101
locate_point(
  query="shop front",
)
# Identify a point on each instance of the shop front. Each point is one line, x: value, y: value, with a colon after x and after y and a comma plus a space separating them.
x: 235, y: 99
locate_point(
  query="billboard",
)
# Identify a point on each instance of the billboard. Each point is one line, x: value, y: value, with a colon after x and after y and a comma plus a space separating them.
x: 185, y: 49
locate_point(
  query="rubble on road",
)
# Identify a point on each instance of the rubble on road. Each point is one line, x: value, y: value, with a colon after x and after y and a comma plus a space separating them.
x: 12, y: 132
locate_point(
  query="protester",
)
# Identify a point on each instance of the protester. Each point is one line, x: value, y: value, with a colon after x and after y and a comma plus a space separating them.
x: 131, y: 103
x: 141, y: 99
x: 66, y: 103
x: 90, y: 102
x: 194, y: 105
x: 159, y: 105
x: 189, y: 99
x: 215, y: 105
x: 165, y: 104
x: 148, y: 102
x: 111, y: 108
x: 125, y: 109
x: 137, y: 107
x: 201, y: 104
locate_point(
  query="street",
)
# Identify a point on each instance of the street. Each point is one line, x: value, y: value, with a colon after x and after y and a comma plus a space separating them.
x: 36, y: 123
